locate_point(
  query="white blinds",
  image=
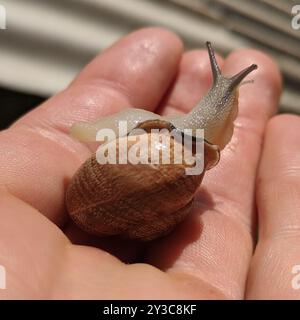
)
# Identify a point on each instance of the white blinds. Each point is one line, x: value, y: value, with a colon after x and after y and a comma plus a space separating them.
x: 48, y: 41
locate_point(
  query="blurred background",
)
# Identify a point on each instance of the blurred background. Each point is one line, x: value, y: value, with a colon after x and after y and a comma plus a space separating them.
x: 47, y: 42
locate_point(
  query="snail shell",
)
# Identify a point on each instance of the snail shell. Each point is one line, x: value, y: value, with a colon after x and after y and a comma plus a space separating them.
x: 142, y: 201
x: 146, y: 201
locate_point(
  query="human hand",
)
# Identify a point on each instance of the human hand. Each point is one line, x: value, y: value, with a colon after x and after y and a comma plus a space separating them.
x: 207, y: 256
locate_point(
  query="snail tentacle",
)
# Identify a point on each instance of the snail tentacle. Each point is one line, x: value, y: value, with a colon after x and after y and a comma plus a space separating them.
x: 213, y: 62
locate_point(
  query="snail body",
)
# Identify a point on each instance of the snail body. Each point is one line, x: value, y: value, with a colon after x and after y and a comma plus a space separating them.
x: 146, y: 201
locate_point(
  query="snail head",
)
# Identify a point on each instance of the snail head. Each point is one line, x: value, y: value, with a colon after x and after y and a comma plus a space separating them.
x: 216, y: 112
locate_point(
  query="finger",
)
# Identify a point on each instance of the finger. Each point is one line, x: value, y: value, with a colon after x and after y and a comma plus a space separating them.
x: 239, y: 160
x: 41, y: 158
x: 277, y: 254
x: 215, y: 243
x: 136, y: 71
x: 193, y: 81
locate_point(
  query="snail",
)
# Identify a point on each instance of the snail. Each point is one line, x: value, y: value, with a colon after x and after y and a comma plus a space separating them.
x: 146, y: 201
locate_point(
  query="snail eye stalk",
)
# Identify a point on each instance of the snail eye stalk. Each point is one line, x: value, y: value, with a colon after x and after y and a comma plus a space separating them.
x: 239, y: 77
x: 213, y: 62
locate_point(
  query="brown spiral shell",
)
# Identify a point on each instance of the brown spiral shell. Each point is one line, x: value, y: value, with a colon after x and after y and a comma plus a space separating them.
x: 140, y: 201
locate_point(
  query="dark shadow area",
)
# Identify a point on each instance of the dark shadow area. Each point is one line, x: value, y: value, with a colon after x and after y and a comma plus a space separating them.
x: 14, y: 104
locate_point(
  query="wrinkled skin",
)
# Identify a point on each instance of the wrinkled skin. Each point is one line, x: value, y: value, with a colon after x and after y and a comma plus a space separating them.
x: 210, y: 255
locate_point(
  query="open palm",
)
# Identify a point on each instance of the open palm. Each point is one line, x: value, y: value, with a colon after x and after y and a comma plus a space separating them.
x: 207, y: 256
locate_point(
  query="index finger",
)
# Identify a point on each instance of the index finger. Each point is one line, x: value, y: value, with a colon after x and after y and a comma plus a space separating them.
x: 39, y: 157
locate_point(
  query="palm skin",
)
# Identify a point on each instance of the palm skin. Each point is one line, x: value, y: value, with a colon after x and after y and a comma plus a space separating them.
x: 209, y: 255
